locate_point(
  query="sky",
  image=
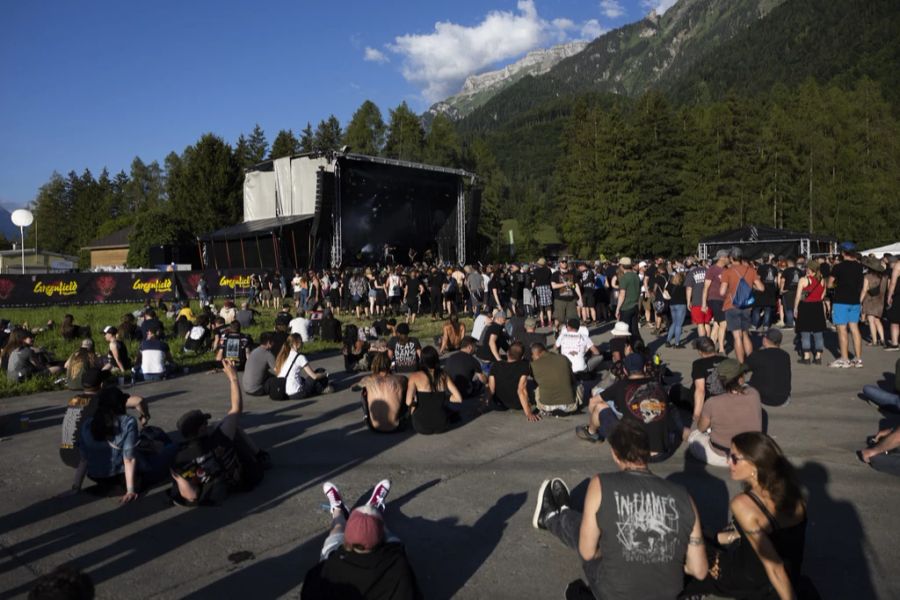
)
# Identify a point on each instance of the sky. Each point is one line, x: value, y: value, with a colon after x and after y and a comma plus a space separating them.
x: 88, y: 85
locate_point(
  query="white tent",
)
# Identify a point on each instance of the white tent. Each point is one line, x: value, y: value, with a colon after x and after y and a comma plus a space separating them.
x: 893, y: 249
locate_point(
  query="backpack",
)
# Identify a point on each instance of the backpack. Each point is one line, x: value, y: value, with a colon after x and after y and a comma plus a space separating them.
x: 714, y: 385
x: 647, y: 402
x: 743, y: 294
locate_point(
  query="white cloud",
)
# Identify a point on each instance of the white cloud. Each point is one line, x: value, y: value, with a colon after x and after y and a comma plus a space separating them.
x: 612, y: 8
x: 439, y: 61
x: 592, y: 29
x: 660, y: 6
x: 375, y: 55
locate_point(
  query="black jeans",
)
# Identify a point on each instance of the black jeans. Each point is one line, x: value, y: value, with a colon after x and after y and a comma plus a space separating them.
x: 566, y: 526
x: 630, y: 316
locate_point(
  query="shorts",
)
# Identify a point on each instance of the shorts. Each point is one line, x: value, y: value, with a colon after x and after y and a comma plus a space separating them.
x: 699, y: 317
x: 738, y: 319
x: 544, y: 296
x: 563, y: 310
x: 844, y: 314
x: 715, y: 306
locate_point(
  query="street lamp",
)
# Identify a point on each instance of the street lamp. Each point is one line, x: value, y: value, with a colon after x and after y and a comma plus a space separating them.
x: 22, y: 218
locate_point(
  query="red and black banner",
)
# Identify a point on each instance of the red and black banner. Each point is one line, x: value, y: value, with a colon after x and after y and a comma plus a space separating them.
x: 92, y: 288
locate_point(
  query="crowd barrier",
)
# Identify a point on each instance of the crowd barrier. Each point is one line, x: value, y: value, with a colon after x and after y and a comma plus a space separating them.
x: 54, y: 289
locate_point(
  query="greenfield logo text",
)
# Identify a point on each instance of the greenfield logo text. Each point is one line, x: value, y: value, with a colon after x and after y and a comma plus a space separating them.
x: 154, y: 285
x: 235, y: 282
x: 59, y: 288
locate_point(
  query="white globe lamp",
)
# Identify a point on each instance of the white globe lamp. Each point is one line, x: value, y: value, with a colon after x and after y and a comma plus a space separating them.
x: 22, y: 218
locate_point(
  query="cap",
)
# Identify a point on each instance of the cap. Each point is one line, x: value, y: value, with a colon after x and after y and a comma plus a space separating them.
x: 403, y: 329
x: 499, y: 314
x: 634, y: 362
x: 730, y: 369
x: 705, y: 344
x: 530, y: 322
x: 91, y: 378
x: 721, y: 254
x: 365, y: 528
x: 774, y: 336
x: 621, y: 329
x: 191, y: 422
x: 624, y: 261
x: 87, y: 344
x: 642, y: 264
x: 542, y: 261
x: 110, y: 330
x: 736, y: 252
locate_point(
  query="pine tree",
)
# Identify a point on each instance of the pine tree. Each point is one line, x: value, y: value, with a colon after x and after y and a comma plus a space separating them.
x: 285, y: 144
x: 405, y: 140
x: 328, y: 135
x: 366, y: 130
x: 493, y: 188
x: 257, y: 146
x: 51, y: 217
x: 442, y: 144
x: 306, y: 139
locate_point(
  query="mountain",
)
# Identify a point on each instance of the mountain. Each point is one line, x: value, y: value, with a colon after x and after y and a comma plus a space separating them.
x: 7, y: 229
x: 480, y: 88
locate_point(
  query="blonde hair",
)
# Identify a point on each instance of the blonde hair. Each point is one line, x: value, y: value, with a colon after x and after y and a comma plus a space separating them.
x: 293, y: 342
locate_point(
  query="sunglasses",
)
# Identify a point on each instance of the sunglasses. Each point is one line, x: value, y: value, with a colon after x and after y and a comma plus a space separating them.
x: 734, y: 458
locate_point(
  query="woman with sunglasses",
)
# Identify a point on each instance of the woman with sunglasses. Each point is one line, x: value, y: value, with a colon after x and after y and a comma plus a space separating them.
x: 761, y: 553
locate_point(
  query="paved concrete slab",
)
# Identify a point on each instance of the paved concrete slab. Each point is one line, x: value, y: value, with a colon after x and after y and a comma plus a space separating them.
x: 462, y: 501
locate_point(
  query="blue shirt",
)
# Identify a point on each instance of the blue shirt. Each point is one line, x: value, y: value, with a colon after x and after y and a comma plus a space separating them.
x: 106, y: 458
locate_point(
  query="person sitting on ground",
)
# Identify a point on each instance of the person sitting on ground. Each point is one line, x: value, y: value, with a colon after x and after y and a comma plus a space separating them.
x: 82, y: 407
x: 26, y: 361
x: 180, y: 327
x: 329, y: 327
x: 883, y: 451
x: 284, y: 315
x: 724, y: 416
x: 382, y: 396
x: 638, y: 398
x: 557, y: 392
x: 621, y: 337
x: 246, y: 316
x: 63, y: 583
x: 465, y: 370
x: 639, y: 534
x: 300, y: 379
x: 354, y: 349
x: 82, y: 359
x: 259, y: 372
x: 197, y: 340
x: 228, y: 312
x: 479, y: 325
x: 771, y: 370
x: 70, y: 331
x: 117, y: 359
x: 452, y: 334
x: 301, y: 325
x: 151, y: 322
x: 428, y: 394
x: 760, y: 555
x: 218, y: 330
x: 885, y: 398
x: 360, y: 557
x: 110, y: 451
x: 508, y: 383
x: 495, y: 341
x: 705, y: 380
x: 576, y: 345
x: 128, y: 330
x: 213, y: 462
x: 154, y: 360
x: 234, y: 345
x: 405, y: 351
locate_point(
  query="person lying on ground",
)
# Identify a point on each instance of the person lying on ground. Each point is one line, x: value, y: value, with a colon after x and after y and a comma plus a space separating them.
x: 360, y: 557
x: 383, y: 396
x: 638, y: 535
x: 214, y: 462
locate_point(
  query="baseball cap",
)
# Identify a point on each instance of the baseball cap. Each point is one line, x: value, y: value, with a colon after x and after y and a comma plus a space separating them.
x: 730, y: 369
x: 110, y: 330
x: 774, y: 336
x: 365, y: 528
x: 721, y: 254
x: 87, y: 344
x: 634, y: 362
x: 624, y: 261
x: 705, y: 344
x: 736, y: 252
x: 191, y: 422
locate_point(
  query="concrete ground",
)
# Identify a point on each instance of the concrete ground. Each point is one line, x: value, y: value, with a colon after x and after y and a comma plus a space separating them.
x: 462, y: 501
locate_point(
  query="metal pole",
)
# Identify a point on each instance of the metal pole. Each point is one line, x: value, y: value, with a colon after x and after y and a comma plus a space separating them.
x: 22, y: 234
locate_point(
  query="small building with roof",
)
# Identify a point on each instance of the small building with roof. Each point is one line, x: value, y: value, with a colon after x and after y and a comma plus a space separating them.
x: 110, y: 250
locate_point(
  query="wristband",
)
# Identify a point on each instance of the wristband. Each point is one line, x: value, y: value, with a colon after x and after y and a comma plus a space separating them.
x: 130, y: 489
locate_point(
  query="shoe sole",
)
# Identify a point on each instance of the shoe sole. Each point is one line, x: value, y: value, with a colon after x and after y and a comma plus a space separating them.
x: 539, y: 504
x: 565, y: 487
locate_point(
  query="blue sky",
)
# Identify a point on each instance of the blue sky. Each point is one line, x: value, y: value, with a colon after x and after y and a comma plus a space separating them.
x: 93, y: 84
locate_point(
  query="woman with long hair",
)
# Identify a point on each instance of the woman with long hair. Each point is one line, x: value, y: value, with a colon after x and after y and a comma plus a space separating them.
x: 80, y: 360
x: 300, y: 379
x: 761, y: 553
x: 677, y: 309
x: 16, y: 338
x: 429, y: 393
x: 452, y: 334
x: 873, y: 302
x: 809, y: 309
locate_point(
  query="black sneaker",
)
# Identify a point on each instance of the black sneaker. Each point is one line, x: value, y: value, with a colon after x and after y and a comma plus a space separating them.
x: 545, y: 507
x: 560, y: 492
x: 582, y: 432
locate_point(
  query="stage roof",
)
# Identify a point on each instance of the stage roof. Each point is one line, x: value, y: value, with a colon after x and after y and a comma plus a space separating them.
x: 257, y: 228
x: 267, y: 165
x: 761, y: 233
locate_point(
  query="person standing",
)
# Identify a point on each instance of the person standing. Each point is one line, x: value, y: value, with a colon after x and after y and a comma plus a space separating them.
x: 695, y: 282
x: 737, y: 317
x: 713, y: 300
x: 628, y: 297
x: 874, y: 301
x: 848, y: 280
x: 542, y: 291
x: 677, y: 309
x: 892, y: 307
x: 787, y: 284
x: 810, y: 311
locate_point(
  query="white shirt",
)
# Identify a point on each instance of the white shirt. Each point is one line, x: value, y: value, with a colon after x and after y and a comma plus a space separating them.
x: 573, y: 345
x: 293, y: 380
x: 301, y: 326
x: 478, y: 326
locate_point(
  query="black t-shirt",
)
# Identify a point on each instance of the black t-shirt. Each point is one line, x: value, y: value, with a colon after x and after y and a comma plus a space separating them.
x: 148, y: 324
x: 702, y: 369
x: 542, y: 276
x: 791, y: 277
x: 502, y: 342
x: 677, y: 293
x: 849, y: 279
x: 774, y: 380
x: 382, y: 574
x: 412, y: 293
x: 767, y: 275
x: 650, y: 411
x: 506, y: 382
x: 406, y: 358
x: 568, y: 278
x: 330, y: 329
x: 461, y: 368
x: 210, y: 463
x: 123, y: 355
x: 283, y: 318
x: 436, y: 282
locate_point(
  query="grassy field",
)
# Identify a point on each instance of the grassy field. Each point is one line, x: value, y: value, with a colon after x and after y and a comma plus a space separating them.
x: 98, y: 316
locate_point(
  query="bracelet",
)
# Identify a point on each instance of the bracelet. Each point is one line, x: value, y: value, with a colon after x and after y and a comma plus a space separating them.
x: 130, y: 489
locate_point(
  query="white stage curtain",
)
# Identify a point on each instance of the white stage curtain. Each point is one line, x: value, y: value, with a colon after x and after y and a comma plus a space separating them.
x: 283, y: 186
x: 259, y: 195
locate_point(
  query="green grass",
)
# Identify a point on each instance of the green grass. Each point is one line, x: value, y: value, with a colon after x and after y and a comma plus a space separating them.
x: 98, y: 316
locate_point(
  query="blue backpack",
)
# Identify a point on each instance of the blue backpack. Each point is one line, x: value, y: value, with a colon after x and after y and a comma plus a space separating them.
x: 743, y: 294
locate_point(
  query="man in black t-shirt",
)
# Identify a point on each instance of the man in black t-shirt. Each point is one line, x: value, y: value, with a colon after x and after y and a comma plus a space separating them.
x: 787, y: 283
x: 771, y: 368
x: 234, y: 345
x: 211, y: 464
x: 508, y: 383
x: 848, y: 280
x: 543, y: 294
x: 495, y: 339
x: 704, y: 380
x: 566, y: 293
x: 465, y: 370
x: 404, y: 350
x: 768, y: 297
x: 411, y: 294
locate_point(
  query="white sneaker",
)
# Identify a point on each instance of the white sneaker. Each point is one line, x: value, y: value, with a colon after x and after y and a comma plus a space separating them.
x: 856, y: 362
x: 840, y: 364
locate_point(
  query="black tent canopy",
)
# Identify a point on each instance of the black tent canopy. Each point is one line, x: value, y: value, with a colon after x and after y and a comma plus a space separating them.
x: 281, y: 242
x: 756, y: 241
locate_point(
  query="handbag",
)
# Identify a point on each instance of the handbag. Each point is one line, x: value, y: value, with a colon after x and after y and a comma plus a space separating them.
x: 278, y: 390
x: 665, y: 293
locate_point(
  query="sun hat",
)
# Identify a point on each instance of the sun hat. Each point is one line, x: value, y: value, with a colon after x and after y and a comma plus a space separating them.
x: 624, y: 261
x: 621, y: 329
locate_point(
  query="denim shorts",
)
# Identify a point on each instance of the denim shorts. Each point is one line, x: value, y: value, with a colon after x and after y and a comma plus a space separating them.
x: 737, y: 319
x: 843, y: 314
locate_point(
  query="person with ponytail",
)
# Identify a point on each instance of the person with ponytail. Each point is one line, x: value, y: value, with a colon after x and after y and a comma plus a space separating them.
x: 429, y: 393
x: 760, y: 554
